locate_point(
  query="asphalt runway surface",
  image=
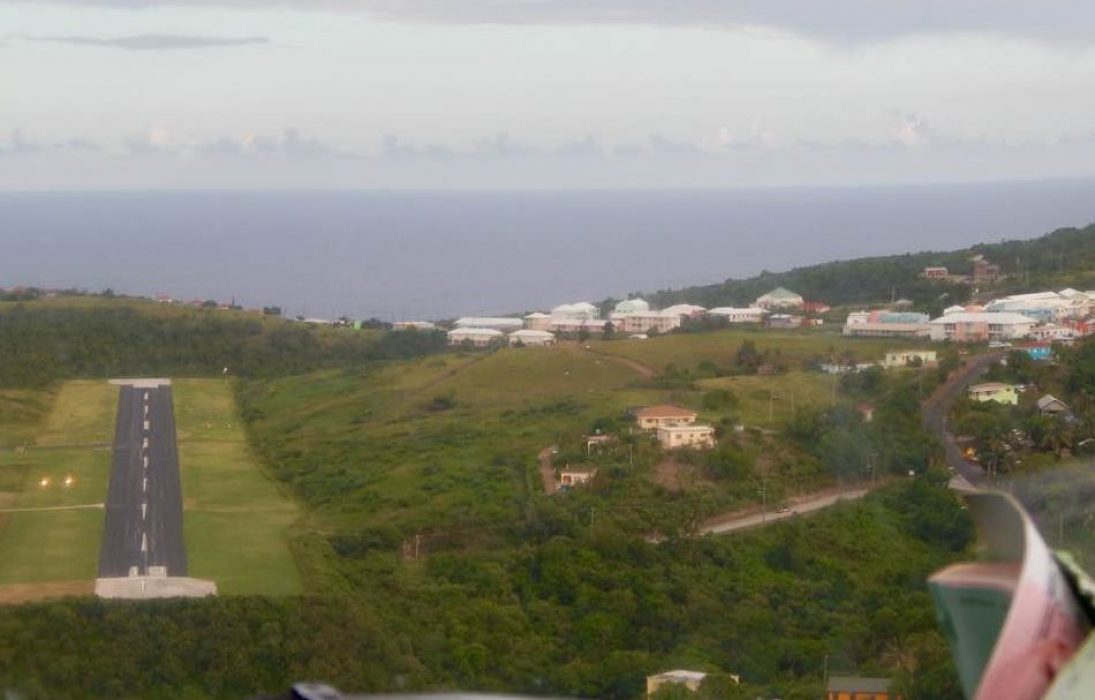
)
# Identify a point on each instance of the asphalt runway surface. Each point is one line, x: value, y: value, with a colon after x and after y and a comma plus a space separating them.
x: 143, y: 526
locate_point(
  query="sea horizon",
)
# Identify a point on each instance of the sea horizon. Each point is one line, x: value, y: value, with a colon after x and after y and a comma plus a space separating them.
x: 430, y: 254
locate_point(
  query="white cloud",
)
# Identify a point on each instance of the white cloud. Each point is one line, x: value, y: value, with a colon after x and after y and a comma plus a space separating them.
x: 841, y: 20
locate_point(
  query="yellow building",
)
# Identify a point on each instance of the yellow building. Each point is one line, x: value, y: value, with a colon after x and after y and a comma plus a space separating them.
x: 856, y: 688
x: 654, y: 417
x: 674, y: 437
x: 994, y: 391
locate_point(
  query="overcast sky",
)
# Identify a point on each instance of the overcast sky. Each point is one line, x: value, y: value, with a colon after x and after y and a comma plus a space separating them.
x: 106, y: 94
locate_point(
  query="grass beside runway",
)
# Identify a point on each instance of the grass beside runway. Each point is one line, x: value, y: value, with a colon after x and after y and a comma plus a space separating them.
x: 57, y: 545
x: 235, y: 520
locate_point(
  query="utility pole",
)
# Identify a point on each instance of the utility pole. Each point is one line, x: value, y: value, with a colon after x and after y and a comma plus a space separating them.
x: 771, y: 403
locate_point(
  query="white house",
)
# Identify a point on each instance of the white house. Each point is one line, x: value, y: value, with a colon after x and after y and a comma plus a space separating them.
x: 752, y: 314
x: 577, y: 325
x: 905, y: 358
x: 531, y: 338
x: 654, y: 417
x: 692, y: 435
x: 478, y: 337
x: 580, y: 310
x: 632, y: 306
x: 994, y: 391
x: 537, y: 321
x: 1052, y: 331
x: 780, y: 298
x: 645, y: 321
x: 574, y: 476
x: 980, y: 326
x: 498, y: 324
x: 689, y: 679
x: 689, y: 310
x: 413, y: 325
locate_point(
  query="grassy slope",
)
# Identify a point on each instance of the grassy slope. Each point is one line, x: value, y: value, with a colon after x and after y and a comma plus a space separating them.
x: 791, y: 347
x: 372, y: 448
x: 236, y: 521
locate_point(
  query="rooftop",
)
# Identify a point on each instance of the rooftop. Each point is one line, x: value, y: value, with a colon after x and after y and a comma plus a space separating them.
x: 664, y: 411
x: 990, y: 386
x: 680, y: 675
x: 853, y: 684
x: 1000, y: 317
x: 781, y: 293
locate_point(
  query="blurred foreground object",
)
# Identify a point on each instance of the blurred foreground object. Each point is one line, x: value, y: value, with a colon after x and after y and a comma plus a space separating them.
x: 1017, y: 620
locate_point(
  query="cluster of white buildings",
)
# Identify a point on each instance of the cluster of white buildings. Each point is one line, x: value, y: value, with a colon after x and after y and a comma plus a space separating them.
x: 634, y: 317
x: 1043, y: 316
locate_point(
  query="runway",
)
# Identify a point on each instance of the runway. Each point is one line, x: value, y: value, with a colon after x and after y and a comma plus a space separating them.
x: 143, y: 532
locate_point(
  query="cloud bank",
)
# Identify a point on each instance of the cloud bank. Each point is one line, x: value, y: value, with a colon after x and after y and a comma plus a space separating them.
x: 840, y: 20
x: 153, y: 42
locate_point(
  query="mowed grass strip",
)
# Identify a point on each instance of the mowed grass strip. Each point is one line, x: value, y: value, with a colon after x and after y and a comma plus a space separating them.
x: 58, y: 545
x: 85, y: 413
x: 236, y: 522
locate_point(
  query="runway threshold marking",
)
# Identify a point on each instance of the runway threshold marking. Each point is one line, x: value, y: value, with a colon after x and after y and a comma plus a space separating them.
x: 86, y: 506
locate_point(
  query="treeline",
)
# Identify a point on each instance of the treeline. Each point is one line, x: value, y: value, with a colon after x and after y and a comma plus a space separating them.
x: 179, y: 649
x: 1066, y: 256
x: 42, y: 344
x: 583, y: 609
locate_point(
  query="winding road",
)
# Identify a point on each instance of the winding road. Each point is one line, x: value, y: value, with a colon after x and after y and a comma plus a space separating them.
x: 934, y: 416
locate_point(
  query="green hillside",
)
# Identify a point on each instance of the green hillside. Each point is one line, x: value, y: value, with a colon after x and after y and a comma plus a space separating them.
x: 1063, y: 258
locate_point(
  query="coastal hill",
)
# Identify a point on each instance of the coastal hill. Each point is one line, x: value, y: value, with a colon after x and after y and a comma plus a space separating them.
x: 1063, y: 258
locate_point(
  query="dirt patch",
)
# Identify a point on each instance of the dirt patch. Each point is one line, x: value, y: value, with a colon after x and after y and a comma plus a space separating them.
x: 547, y: 471
x: 15, y: 593
x: 677, y: 476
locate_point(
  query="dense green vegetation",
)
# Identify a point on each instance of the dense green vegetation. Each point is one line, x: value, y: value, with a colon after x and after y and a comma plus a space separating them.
x: 1065, y: 257
x: 572, y: 609
x: 42, y: 342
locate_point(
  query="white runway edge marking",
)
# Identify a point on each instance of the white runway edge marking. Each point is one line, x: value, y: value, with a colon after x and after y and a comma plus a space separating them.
x: 144, y: 511
x: 144, y: 542
x: 147, y: 426
x: 144, y: 485
x: 145, y: 444
x: 146, y: 410
x: 146, y: 461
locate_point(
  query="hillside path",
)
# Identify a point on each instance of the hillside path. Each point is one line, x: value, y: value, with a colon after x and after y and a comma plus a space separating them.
x: 547, y: 471
x: 733, y: 522
x: 644, y: 371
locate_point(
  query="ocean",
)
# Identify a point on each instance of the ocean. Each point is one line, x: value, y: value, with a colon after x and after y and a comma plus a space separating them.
x: 430, y: 255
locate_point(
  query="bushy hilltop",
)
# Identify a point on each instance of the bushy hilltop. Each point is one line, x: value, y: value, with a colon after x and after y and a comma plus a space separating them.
x: 1065, y: 257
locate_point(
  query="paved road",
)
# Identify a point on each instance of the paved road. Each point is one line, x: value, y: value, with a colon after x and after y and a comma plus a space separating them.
x: 934, y: 415
x: 144, y: 501
x: 807, y: 506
